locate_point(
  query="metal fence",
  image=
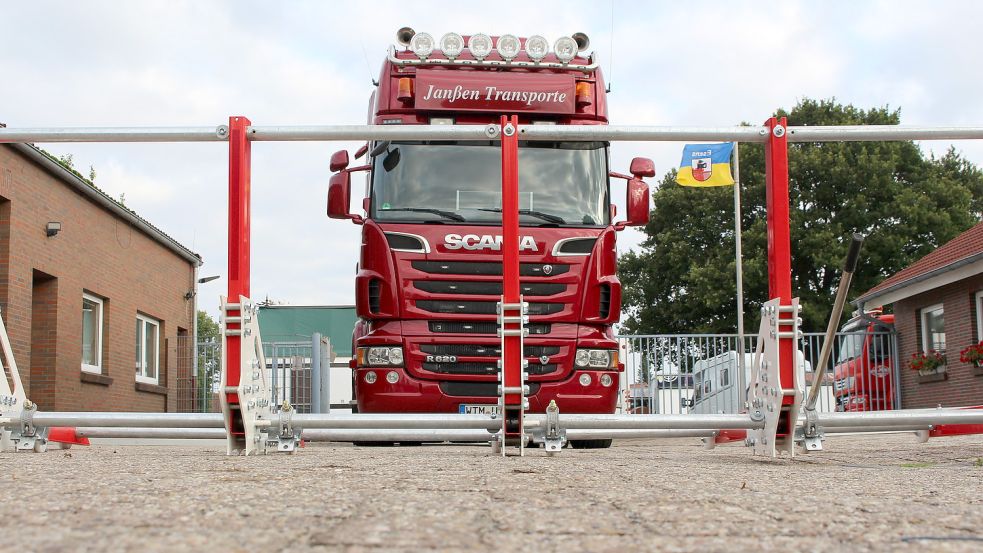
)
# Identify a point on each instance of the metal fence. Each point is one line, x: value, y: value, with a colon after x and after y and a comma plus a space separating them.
x: 702, y: 373
x: 666, y: 373
x: 288, y: 366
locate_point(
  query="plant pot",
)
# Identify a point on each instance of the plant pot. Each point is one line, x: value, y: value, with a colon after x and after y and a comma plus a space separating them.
x: 932, y: 375
x: 976, y: 370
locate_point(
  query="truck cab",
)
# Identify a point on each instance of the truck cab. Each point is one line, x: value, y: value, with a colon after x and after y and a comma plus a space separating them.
x: 430, y: 270
x: 864, y: 371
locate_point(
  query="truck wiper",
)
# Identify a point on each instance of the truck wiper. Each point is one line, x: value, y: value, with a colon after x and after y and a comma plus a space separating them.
x: 549, y: 217
x: 446, y: 214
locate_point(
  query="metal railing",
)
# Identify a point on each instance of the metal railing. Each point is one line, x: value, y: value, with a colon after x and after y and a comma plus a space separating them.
x: 288, y: 366
x: 701, y: 373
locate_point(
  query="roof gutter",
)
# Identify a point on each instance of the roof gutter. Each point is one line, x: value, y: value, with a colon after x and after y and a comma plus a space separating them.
x: 102, y: 199
x: 969, y: 260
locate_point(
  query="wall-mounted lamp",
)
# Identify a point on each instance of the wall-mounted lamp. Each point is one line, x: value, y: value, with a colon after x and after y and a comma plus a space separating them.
x: 202, y: 280
x: 52, y: 228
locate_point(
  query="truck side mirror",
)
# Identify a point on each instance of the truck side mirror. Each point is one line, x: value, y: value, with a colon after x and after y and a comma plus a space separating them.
x: 339, y: 196
x: 339, y: 161
x: 638, y: 203
x: 642, y: 167
x: 638, y: 193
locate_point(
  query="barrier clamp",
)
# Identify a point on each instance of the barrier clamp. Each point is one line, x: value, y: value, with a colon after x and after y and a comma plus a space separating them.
x: 555, y: 437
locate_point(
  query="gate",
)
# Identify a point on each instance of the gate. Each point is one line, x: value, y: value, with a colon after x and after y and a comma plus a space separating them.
x: 288, y: 366
x: 701, y: 373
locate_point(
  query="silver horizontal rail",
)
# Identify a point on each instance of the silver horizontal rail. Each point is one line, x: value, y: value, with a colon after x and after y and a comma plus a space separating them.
x: 901, y: 418
x: 872, y: 133
x: 258, y: 133
x: 649, y: 422
x: 218, y: 133
x: 149, y: 420
x: 377, y: 434
x: 372, y: 132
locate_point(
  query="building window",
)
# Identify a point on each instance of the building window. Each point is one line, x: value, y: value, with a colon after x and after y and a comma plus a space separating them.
x: 91, y: 334
x: 933, y: 328
x: 147, y: 349
x: 979, y: 316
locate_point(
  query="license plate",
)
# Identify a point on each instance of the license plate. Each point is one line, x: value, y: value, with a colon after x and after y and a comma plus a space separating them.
x: 478, y: 409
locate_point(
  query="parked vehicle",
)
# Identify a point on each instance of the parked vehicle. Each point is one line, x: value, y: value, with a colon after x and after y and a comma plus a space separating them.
x: 430, y: 273
x: 864, y: 374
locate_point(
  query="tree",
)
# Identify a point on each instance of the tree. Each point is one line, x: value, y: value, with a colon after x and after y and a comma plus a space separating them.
x: 208, y: 330
x: 906, y: 204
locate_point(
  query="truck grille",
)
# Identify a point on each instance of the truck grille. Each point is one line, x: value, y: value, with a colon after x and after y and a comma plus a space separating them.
x: 480, y: 327
x: 485, y: 368
x: 481, y: 350
x: 482, y: 307
x: 487, y: 268
x: 487, y: 288
x: 477, y: 389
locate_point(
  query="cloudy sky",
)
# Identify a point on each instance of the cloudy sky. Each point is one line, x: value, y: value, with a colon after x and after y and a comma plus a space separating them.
x: 165, y: 63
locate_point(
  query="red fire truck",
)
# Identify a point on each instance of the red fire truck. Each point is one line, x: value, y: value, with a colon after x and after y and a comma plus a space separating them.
x: 430, y: 271
x: 863, y: 377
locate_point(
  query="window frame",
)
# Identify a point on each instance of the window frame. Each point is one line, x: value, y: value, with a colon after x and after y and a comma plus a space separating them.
x: 141, y: 369
x: 978, y: 297
x: 97, y: 368
x: 922, y: 313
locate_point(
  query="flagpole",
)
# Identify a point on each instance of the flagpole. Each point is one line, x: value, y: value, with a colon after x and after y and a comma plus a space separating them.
x: 741, y: 378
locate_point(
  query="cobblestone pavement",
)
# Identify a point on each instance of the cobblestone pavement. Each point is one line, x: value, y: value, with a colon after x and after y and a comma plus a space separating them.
x: 883, y: 493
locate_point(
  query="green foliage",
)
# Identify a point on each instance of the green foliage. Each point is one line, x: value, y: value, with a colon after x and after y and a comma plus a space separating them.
x: 208, y: 330
x: 906, y: 204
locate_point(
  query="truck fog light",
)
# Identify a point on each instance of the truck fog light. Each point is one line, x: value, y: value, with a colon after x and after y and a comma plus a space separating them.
x: 452, y: 44
x: 537, y: 47
x: 422, y: 45
x: 585, y: 379
x: 370, y: 377
x: 480, y: 46
x: 392, y: 377
x: 606, y: 380
x: 508, y: 47
x: 565, y: 48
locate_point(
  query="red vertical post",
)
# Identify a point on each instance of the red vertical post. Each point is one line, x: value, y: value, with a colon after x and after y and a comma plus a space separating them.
x: 511, y: 354
x: 239, y: 173
x: 780, y: 251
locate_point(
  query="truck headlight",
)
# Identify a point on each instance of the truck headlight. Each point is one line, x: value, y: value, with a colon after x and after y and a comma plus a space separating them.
x: 596, y: 358
x: 384, y: 356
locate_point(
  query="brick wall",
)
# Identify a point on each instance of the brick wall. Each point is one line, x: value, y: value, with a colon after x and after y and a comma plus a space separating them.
x: 961, y: 387
x: 42, y: 280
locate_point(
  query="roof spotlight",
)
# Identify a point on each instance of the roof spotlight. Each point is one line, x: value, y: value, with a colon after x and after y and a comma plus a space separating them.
x: 422, y: 45
x: 480, y: 46
x: 565, y: 48
x: 537, y: 47
x: 452, y: 44
x: 404, y: 35
x: 509, y: 47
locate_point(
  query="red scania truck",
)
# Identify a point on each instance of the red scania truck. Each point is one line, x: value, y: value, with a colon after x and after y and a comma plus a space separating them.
x: 430, y: 271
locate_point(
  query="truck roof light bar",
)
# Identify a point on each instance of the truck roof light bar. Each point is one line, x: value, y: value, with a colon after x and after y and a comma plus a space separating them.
x: 589, y: 67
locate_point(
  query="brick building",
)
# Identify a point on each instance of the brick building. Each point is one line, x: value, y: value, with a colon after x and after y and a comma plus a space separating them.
x: 938, y: 304
x: 94, y: 298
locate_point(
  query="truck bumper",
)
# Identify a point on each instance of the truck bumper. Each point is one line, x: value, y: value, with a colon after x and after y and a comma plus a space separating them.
x: 413, y: 395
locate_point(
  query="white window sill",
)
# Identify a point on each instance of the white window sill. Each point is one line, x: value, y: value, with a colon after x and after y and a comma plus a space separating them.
x: 94, y: 369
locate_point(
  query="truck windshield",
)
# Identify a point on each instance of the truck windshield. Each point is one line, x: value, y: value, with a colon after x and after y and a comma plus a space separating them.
x: 851, y: 346
x: 560, y: 183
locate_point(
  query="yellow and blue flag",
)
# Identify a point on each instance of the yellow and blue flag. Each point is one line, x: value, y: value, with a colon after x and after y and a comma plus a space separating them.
x: 706, y: 165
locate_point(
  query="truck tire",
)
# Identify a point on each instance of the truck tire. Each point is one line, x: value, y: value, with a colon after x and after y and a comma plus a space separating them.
x: 590, y: 444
